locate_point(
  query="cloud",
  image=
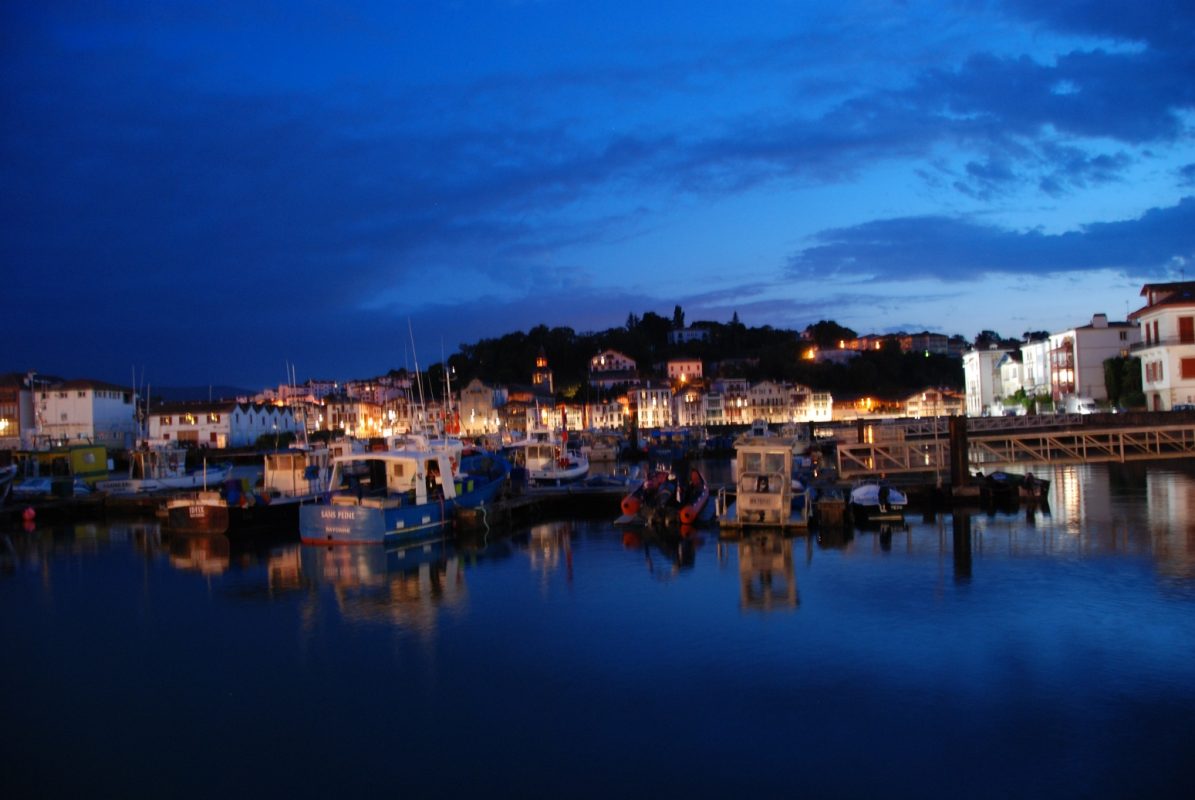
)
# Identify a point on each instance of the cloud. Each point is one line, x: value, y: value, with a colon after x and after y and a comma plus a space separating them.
x: 1186, y: 176
x: 954, y: 249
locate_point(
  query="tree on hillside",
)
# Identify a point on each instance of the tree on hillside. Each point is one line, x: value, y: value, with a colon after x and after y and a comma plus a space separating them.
x: 678, y: 318
x: 826, y: 334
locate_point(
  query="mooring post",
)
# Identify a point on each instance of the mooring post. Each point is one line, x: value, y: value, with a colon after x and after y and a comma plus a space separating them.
x: 960, y: 470
x: 960, y: 524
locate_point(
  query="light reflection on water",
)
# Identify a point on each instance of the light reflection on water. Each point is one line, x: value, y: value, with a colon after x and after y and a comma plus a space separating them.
x: 1020, y: 651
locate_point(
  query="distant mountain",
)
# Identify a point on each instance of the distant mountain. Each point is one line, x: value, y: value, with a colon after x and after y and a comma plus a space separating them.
x: 177, y: 394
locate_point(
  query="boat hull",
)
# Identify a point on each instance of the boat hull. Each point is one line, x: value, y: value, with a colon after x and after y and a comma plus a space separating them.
x: 737, y: 520
x: 386, y: 520
x: 197, y: 517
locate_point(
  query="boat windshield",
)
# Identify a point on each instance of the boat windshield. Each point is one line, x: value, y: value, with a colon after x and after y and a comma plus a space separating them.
x: 763, y: 461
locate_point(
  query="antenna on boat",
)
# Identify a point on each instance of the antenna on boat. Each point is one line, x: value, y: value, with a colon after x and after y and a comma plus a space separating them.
x: 418, y: 378
x: 447, y: 389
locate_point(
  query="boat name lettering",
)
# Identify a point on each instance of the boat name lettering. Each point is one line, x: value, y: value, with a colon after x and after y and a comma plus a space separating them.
x: 195, y: 511
x: 335, y: 514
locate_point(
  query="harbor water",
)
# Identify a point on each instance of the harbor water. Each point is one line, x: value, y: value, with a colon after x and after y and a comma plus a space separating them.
x: 1023, y: 652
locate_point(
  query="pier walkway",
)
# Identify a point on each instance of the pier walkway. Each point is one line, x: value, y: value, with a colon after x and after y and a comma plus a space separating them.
x: 925, y: 445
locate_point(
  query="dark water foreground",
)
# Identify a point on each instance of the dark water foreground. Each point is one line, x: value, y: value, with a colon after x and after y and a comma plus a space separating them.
x: 1009, y: 654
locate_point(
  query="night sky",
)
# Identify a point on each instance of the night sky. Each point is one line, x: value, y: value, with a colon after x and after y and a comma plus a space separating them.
x: 205, y: 192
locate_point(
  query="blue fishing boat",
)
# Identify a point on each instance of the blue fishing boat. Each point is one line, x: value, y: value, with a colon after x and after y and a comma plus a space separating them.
x: 399, y: 495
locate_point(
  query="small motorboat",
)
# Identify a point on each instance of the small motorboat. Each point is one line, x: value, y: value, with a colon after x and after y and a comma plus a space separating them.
x: 878, y: 502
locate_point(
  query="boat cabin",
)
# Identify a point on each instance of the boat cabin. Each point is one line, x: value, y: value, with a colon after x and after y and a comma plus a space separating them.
x: 296, y: 473
x: 394, y: 478
x: 767, y: 492
x: 764, y: 466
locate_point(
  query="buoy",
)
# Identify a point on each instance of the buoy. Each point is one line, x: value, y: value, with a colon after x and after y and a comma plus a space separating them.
x: 29, y: 514
x: 630, y: 505
x: 687, y: 515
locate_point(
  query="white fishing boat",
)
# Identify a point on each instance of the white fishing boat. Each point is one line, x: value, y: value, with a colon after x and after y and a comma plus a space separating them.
x: 549, y: 458
x: 157, y: 469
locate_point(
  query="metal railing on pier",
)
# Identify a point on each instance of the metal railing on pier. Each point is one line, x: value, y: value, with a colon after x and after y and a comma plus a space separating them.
x: 990, y: 445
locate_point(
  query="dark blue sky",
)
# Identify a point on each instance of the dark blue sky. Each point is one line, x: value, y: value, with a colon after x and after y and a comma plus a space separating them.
x: 205, y: 192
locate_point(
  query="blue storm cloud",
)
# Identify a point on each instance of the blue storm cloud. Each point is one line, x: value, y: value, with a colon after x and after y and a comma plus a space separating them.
x: 952, y: 249
x: 269, y: 183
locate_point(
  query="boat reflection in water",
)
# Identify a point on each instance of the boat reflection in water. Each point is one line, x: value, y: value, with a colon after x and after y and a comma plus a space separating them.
x: 549, y: 547
x: 207, y: 554
x: 678, y: 546
x: 767, y: 581
x: 402, y: 586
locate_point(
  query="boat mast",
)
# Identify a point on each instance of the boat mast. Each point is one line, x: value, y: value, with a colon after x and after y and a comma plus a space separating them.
x: 447, y: 390
x: 418, y: 378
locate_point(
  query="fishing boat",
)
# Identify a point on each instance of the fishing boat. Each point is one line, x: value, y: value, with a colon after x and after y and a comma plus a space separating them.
x: 397, y: 495
x: 766, y: 492
x: 196, y: 512
x: 877, y: 502
x: 158, y: 468
x: 288, y: 480
x: 548, y: 458
x: 600, y: 446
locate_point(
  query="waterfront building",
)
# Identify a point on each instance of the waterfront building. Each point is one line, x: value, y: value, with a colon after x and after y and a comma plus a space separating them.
x: 478, y: 409
x: 820, y: 408
x: 18, y: 423
x: 769, y: 401
x: 610, y: 369
x: 715, y: 411
x: 555, y: 417
x: 690, y: 406
x: 871, y: 341
x: 735, y: 402
x: 838, y: 356
x: 925, y: 342
x: 684, y: 371
x: 1077, y: 356
x: 935, y: 402
x: 1035, y: 367
x: 541, y: 377
x: 219, y: 424
x: 86, y: 410
x: 354, y: 416
x: 981, y: 379
x: 653, y: 407
x: 685, y: 335
x: 1166, y: 346
x: 1011, y: 371
x: 609, y: 415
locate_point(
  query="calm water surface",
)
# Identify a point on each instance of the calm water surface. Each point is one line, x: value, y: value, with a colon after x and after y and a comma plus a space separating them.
x: 1022, y: 653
